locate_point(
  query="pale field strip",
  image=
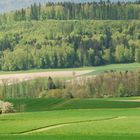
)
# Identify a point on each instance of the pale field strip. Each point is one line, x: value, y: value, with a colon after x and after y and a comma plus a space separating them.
x: 137, y: 100
x: 11, y: 78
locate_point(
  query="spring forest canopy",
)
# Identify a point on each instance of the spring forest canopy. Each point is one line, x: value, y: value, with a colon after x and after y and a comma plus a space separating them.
x: 61, y: 35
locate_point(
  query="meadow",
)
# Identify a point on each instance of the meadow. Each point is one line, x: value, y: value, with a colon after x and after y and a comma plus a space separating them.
x: 51, y: 104
x: 101, y: 119
x: 115, y: 67
x: 70, y: 71
x: 94, y: 69
x: 115, y: 118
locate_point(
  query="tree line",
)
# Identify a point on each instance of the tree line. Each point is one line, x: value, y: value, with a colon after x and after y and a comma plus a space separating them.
x: 108, y: 84
x: 103, y: 10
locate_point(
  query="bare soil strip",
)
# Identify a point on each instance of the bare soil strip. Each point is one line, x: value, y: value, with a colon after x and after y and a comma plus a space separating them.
x: 29, y: 76
x: 66, y: 124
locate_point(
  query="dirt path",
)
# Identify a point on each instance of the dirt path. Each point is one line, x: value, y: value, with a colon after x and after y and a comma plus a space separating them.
x: 28, y: 76
x: 68, y: 123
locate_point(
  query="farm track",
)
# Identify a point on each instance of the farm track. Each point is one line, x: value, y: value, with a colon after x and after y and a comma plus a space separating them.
x: 49, y: 127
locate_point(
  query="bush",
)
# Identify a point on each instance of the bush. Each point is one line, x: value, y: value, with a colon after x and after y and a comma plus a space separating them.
x: 6, y: 107
x: 53, y: 93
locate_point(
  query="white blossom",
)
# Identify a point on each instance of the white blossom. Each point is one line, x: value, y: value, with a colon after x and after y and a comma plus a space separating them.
x: 6, y: 107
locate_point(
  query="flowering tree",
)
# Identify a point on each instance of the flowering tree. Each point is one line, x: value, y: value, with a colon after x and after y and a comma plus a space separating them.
x: 6, y: 107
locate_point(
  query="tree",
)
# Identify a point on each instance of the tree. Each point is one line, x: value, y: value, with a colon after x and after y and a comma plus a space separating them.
x: 91, y: 57
x: 35, y: 11
x: 6, y: 107
x: 128, y: 55
x: 137, y: 55
x: 51, y: 84
x: 107, y: 56
x: 97, y: 60
x: 119, y: 53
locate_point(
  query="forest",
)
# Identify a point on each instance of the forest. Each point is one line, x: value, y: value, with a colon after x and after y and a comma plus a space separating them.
x: 103, y: 10
x: 63, y: 44
x: 64, y: 35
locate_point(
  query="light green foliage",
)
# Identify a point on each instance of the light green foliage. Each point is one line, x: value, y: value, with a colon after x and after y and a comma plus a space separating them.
x: 119, y: 54
x: 99, y: 86
x: 64, y: 44
x: 137, y: 55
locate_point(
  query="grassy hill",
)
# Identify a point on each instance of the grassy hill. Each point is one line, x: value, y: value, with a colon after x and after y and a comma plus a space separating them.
x: 106, y: 120
x: 31, y: 105
x: 67, y: 44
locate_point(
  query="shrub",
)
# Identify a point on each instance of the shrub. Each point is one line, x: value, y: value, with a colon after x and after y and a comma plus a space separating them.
x: 6, y: 107
x: 53, y: 93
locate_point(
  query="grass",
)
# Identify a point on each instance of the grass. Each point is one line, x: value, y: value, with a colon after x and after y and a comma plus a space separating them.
x: 31, y: 105
x: 100, y: 128
x: 86, y: 119
x: 61, y: 137
x: 125, y: 126
x: 46, y: 70
x: 95, y: 70
x: 28, y: 121
x: 115, y: 67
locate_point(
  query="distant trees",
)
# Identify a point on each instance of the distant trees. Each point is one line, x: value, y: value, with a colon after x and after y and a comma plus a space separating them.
x: 119, y: 54
x: 102, y: 10
x: 63, y: 44
x: 137, y: 55
x: 20, y: 15
x: 108, y: 84
x: 111, y: 84
x: 18, y: 89
x: 35, y: 12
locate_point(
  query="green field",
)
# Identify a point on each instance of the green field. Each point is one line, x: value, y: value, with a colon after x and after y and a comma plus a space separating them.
x: 69, y: 70
x: 116, y: 67
x: 94, y: 70
x: 75, y: 119
x: 34, y: 105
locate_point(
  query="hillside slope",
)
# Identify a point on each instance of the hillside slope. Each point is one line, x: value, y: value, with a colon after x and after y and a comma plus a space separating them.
x: 63, y: 44
x: 33, y: 105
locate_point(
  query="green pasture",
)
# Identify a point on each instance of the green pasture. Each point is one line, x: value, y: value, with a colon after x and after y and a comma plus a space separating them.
x: 94, y: 70
x: 34, y: 105
x: 104, y: 124
x: 115, y: 67
x: 80, y: 119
